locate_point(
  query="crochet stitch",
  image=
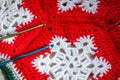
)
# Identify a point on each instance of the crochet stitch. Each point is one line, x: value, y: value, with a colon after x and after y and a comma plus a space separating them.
x: 89, y: 6
x: 25, y: 39
x: 10, y: 69
x: 11, y: 15
x: 100, y: 42
x: 71, y: 63
x: 85, y: 35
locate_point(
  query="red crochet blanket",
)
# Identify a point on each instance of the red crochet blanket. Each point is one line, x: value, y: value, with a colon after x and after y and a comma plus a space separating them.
x: 85, y: 35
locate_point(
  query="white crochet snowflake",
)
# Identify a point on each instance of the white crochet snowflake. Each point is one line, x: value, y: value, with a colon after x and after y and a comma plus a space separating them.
x: 12, y: 15
x: 65, y: 5
x: 72, y: 62
x: 89, y: 6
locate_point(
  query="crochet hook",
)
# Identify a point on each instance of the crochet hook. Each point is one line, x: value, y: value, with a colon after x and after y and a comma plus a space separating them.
x: 29, y: 29
x: 25, y: 55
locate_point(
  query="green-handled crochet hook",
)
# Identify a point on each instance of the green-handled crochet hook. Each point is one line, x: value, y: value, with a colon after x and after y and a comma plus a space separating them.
x: 25, y: 55
x: 29, y: 29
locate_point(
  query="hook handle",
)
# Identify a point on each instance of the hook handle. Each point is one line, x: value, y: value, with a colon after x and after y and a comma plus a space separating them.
x: 29, y: 29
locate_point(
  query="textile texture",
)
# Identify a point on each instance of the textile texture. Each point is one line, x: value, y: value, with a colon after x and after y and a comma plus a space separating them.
x: 85, y: 35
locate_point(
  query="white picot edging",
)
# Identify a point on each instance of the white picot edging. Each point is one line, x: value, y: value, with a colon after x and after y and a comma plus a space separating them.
x: 12, y: 14
x: 72, y: 62
x: 16, y: 73
x: 89, y: 6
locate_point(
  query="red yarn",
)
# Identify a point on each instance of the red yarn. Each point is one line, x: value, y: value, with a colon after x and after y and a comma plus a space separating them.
x: 71, y: 24
x: 105, y: 46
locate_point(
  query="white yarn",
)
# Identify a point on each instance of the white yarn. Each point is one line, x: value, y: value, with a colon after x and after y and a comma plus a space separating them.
x: 9, y: 40
x: 65, y: 5
x: 89, y: 6
x: 12, y: 15
x: 101, y: 67
x: 72, y: 62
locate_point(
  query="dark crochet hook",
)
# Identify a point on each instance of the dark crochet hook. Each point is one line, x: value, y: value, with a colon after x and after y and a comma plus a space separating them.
x: 25, y: 55
x: 29, y: 29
